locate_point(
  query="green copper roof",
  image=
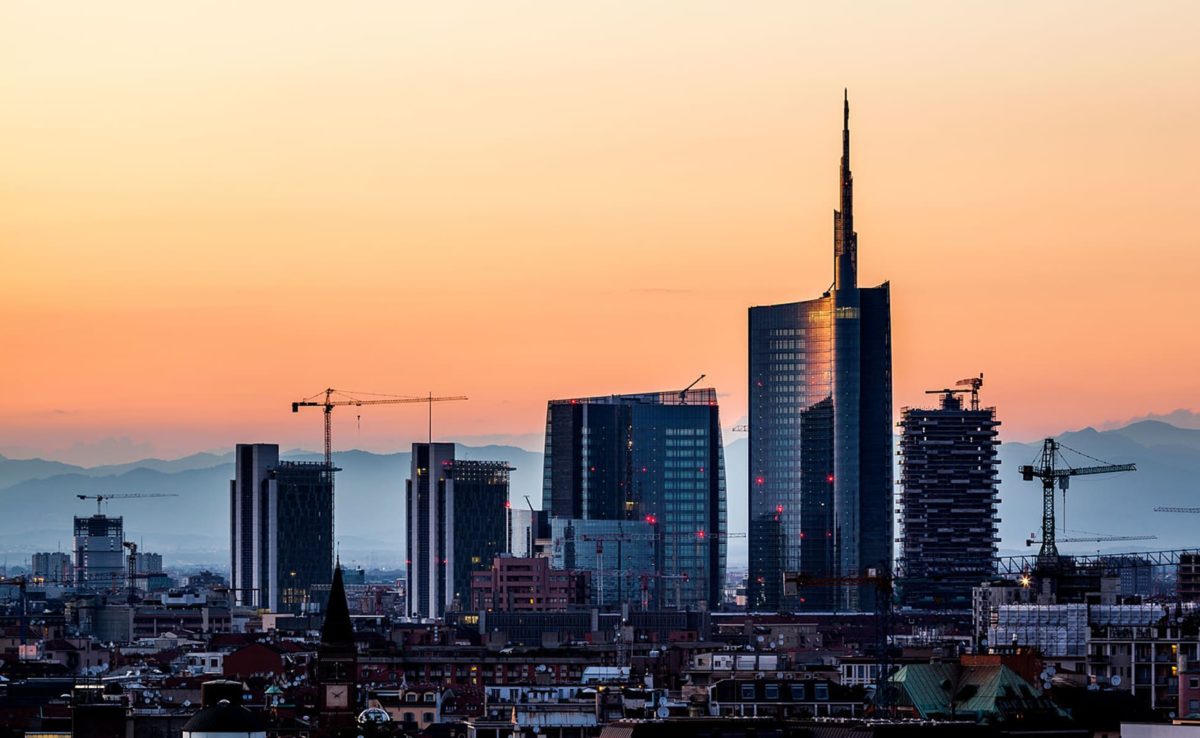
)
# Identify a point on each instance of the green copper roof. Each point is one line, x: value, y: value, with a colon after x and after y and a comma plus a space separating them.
x: 985, y: 693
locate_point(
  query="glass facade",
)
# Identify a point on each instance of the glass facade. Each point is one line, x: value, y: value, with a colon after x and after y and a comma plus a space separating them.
x: 820, y: 473
x: 791, y: 450
x: 302, y: 533
x: 457, y: 518
x: 476, y: 530
x: 618, y: 555
x: 281, y: 528
x: 654, y: 457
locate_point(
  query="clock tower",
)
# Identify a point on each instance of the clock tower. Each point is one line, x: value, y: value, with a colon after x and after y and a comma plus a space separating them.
x: 337, y: 662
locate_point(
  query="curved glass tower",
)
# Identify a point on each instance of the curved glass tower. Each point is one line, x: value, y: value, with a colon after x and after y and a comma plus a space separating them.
x: 821, y: 433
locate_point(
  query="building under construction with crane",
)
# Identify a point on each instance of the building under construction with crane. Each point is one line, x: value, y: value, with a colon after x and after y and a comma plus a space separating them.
x: 655, y: 457
x: 948, y: 498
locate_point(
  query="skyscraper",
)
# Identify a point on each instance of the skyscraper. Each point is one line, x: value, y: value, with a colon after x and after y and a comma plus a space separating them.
x: 947, y: 501
x: 821, y: 431
x: 457, y: 518
x: 655, y: 456
x: 281, y: 528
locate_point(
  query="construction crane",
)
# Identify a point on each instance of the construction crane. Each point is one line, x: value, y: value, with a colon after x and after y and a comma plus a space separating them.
x: 1177, y: 509
x: 618, y: 538
x: 1032, y: 539
x: 684, y: 391
x: 882, y: 581
x: 1051, y: 474
x: 327, y: 401
x: 131, y: 566
x: 972, y: 385
x: 101, y: 498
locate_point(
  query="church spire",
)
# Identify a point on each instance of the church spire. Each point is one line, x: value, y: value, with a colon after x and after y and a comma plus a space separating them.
x: 845, y: 240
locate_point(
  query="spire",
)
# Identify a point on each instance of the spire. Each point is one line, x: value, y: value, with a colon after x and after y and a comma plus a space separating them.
x: 337, y: 630
x: 845, y: 240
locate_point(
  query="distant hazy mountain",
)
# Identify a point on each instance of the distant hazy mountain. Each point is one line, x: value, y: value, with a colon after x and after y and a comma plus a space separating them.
x: 37, y: 498
x: 38, y: 501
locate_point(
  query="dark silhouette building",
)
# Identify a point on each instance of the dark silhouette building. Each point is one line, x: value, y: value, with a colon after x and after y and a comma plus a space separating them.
x: 281, y: 528
x: 656, y: 457
x: 457, y: 514
x: 337, y: 661
x: 821, y: 432
x: 948, y: 499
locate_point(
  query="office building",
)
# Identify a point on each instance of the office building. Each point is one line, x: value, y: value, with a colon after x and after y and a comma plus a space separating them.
x: 948, y: 501
x: 515, y: 584
x: 619, y: 557
x: 148, y: 563
x: 53, y: 568
x: 99, y: 553
x: 655, y: 456
x: 528, y: 532
x: 457, y: 517
x: 281, y: 515
x: 820, y: 475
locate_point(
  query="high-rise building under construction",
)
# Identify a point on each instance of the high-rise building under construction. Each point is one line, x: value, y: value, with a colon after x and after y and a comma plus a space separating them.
x: 948, y: 486
x: 820, y: 470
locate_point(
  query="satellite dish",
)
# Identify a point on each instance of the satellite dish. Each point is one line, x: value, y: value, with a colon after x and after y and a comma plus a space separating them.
x: 663, y: 712
x: 1116, y: 680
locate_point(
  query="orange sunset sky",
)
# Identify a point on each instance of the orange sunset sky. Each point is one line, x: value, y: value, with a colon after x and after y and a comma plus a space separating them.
x: 208, y: 210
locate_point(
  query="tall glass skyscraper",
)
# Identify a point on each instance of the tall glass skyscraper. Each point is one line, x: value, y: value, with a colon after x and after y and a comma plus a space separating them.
x: 457, y: 518
x: 281, y: 528
x: 655, y: 457
x: 821, y: 433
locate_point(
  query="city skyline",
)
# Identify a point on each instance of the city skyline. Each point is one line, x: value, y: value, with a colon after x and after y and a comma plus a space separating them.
x: 142, y: 239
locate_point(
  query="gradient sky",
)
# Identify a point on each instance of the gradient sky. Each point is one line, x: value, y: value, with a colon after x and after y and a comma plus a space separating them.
x: 208, y: 210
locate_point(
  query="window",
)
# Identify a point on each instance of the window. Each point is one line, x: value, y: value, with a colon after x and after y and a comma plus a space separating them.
x: 427, y: 717
x: 410, y: 717
x: 798, y: 693
x: 430, y: 697
x: 772, y: 692
x: 410, y: 697
x: 821, y: 691
x: 748, y: 691
x: 1194, y: 682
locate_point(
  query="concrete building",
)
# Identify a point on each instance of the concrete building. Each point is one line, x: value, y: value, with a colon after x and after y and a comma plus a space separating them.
x: 457, y: 518
x: 820, y: 404
x: 100, y: 553
x: 281, y: 528
x: 53, y: 568
x: 528, y: 532
x: 948, y: 501
x: 526, y: 585
x: 1188, y: 577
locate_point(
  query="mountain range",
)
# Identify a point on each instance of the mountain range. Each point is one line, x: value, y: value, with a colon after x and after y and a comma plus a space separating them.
x: 38, y: 497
